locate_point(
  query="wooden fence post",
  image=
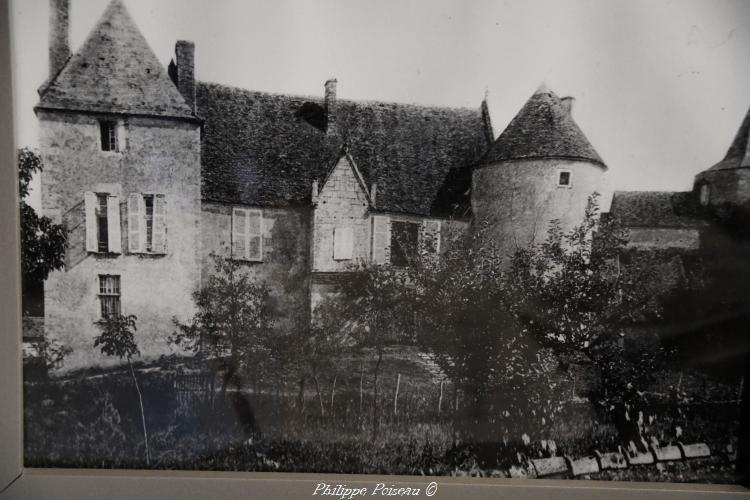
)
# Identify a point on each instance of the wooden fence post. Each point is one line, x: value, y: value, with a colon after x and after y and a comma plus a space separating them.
x: 395, y: 397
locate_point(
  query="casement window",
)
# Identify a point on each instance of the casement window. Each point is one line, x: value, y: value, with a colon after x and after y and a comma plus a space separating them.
x: 147, y: 227
x: 343, y: 243
x: 247, y: 234
x: 564, y: 178
x: 108, y: 131
x: 109, y: 295
x: 381, y: 239
x: 404, y: 243
x: 102, y: 222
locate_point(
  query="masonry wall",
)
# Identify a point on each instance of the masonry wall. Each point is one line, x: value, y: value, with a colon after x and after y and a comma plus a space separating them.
x: 342, y: 203
x: 727, y: 186
x: 663, y: 238
x: 285, y: 267
x: 515, y: 201
x: 163, y: 156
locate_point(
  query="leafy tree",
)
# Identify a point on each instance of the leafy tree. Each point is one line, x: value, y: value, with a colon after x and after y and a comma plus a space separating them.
x: 576, y: 300
x: 466, y: 319
x: 233, y: 322
x: 42, y: 241
x: 117, y: 338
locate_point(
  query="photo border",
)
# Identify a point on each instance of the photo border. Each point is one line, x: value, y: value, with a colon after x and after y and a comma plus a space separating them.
x: 17, y: 482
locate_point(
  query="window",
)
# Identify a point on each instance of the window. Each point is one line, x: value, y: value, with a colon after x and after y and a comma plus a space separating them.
x: 102, y: 236
x: 404, y: 243
x: 247, y: 234
x: 147, y: 228
x: 108, y: 131
x: 343, y: 243
x: 109, y: 294
x: 705, y: 194
x: 102, y: 222
x: 563, y: 179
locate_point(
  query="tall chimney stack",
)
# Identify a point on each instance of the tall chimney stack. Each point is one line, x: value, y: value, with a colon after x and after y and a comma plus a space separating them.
x: 185, y: 61
x: 59, y: 36
x: 567, y: 103
x: 330, y: 105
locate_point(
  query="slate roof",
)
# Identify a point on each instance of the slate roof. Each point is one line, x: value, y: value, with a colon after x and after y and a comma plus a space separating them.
x: 657, y: 209
x: 266, y: 149
x: 115, y: 71
x: 738, y: 155
x: 542, y: 129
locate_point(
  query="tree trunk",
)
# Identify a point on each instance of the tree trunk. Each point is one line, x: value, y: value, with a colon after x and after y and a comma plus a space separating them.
x: 301, y: 396
x: 333, y: 394
x: 317, y: 390
x: 395, y: 396
x: 143, y: 414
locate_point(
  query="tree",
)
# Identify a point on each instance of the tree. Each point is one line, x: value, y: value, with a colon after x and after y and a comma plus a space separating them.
x: 42, y: 241
x: 117, y: 338
x: 467, y: 321
x: 233, y: 322
x: 575, y: 298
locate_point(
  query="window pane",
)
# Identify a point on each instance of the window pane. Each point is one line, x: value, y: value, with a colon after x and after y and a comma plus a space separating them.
x: 404, y: 241
x: 148, y: 201
x: 564, y: 179
x: 102, y: 225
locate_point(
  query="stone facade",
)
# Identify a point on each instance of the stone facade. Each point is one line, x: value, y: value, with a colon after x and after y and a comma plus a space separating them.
x: 158, y: 156
x: 516, y: 200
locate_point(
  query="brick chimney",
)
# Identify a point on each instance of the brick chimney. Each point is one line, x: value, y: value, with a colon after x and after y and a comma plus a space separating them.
x: 330, y: 106
x: 59, y: 36
x: 185, y: 71
x: 567, y: 103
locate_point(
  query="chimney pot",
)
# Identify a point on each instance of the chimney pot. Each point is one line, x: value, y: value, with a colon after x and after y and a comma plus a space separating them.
x: 59, y: 35
x: 185, y: 62
x: 567, y: 103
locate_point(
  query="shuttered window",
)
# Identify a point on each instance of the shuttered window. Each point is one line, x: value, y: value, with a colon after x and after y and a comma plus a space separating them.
x: 431, y: 237
x: 147, y: 227
x: 102, y: 223
x: 404, y: 243
x: 247, y: 234
x: 343, y: 243
x: 381, y: 238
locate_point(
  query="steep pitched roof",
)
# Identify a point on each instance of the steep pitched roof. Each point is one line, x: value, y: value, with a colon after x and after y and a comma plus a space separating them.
x: 115, y: 71
x: 266, y: 149
x: 657, y: 209
x: 543, y: 128
x: 738, y: 155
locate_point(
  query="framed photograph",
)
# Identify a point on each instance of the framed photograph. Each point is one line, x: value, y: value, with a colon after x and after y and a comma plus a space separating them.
x: 374, y: 249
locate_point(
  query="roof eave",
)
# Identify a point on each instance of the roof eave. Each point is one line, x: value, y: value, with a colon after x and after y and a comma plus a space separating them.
x: 102, y: 112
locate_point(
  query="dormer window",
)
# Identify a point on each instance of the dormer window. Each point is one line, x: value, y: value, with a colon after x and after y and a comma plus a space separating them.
x: 109, y: 135
x: 563, y: 178
x: 705, y: 194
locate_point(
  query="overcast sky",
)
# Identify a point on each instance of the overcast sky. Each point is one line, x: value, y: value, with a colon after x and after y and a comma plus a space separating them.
x: 661, y: 86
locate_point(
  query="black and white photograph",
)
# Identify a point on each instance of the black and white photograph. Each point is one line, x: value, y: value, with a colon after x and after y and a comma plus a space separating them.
x: 481, y: 239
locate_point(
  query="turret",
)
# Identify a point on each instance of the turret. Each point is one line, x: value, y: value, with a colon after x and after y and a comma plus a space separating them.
x: 540, y: 168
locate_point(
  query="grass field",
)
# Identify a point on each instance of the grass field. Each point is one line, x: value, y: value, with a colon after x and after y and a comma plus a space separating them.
x: 93, y: 420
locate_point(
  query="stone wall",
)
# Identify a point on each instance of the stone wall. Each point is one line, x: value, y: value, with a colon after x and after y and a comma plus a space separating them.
x: 341, y: 203
x: 663, y: 238
x: 285, y: 265
x: 516, y: 200
x: 158, y: 156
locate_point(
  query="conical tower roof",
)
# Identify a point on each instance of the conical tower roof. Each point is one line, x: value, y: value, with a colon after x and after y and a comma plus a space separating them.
x: 115, y: 71
x: 738, y: 155
x: 543, y: 129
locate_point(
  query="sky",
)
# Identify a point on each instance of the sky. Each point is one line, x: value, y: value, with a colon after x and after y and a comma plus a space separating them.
x: 661, y: 86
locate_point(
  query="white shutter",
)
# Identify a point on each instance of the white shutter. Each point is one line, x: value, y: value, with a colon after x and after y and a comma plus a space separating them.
x: 381, y: 238
x: 159, y: 226
x: 343, y: 244
x: 114, y: 239
x: 92, y: 238
x: 239, y: 233
x: 431, y: 235
x: 255, y: 235
x: 135, y: 223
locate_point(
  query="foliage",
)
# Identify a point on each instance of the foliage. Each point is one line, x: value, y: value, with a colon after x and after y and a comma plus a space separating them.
x: 233, y: 322
x: 576, y: 298
x: 42, y: 241
x: 117, y: 336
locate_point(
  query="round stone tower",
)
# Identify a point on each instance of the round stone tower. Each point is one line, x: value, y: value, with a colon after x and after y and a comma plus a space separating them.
x: 727, y: 184
x: 541, y: 168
